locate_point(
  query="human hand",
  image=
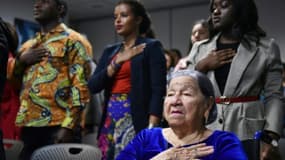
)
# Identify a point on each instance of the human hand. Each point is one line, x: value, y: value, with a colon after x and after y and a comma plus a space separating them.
x: 185, y: 153
x: 269, y: 152
x: 64, y: 135
x: 193, y: 152
x: 215, y: 59
x: 34, y: 55
x: 182, y: 64
x: 165, y: 155
x: 129, y: 53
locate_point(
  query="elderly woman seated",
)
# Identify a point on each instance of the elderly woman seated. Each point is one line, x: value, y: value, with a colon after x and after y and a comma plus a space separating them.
x: 189, y: 105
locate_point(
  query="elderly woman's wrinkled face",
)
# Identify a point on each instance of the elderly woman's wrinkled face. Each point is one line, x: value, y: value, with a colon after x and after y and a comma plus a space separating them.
x: 184, y: 102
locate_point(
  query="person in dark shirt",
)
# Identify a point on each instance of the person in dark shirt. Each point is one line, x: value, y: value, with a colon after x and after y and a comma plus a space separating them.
x: 243, y: 65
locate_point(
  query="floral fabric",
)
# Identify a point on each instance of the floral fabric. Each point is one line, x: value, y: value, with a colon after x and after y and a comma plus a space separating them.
x: 118, y: 127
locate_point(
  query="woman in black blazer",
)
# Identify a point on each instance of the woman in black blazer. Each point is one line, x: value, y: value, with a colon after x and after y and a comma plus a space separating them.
x: 132, y: 74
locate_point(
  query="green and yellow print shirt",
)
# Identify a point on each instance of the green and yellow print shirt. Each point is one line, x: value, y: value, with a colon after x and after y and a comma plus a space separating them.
x: 54, y: 90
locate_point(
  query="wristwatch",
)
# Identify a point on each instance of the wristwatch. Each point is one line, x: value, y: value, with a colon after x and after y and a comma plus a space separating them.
x: 265, y: 137
x: 274, y: 142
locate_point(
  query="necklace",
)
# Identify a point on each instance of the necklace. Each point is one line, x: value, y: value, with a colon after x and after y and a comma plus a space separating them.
x: 125, y: 47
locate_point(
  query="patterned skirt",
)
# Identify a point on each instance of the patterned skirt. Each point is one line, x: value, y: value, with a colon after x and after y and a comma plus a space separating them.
x: 118, y: 127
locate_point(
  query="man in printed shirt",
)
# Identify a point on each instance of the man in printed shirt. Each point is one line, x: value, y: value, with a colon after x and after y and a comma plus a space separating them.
x: 54, y: 69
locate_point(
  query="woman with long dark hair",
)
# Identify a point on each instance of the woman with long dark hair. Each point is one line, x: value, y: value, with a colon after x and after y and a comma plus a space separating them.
x: 133, y: 76
x: 244, y: 65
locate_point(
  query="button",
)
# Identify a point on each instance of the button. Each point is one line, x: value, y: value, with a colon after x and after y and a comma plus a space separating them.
x: 220, y: 120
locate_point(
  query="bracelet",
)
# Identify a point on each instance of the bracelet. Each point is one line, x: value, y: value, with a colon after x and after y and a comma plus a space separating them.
x: 115, y: 65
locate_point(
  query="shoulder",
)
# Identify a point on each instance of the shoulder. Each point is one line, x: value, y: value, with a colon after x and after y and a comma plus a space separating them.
x: 109, y: 50
x: 269, y: 48
x: 26, y: 45
x: 147, y: 135
x: 223, y: 138
x: 151, y: 132
x: 267, y: 43
x: 152, y: 49
x: 227, y: 146
x: 74, y: 35
x: 112, y: 47
x: 29, y: 42
x: 224, y: 134
x: 264, y: 43
x: 204, y: 44
x: 149, y: 41
x: 201, y: 49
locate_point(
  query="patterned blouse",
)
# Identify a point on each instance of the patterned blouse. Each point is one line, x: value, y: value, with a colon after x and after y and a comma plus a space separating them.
x: 54, y: 91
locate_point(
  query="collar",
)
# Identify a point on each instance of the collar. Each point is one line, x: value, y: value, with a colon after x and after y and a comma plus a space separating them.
x: 58, y: 29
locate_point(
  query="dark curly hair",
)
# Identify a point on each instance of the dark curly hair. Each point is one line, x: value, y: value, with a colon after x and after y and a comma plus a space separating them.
x: 11, y: 35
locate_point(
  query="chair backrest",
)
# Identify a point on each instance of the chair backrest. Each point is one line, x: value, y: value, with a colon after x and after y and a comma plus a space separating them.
x: 67, y: 151
x: 90, y: 139
x: 13, y: 148
x: 251, y: 148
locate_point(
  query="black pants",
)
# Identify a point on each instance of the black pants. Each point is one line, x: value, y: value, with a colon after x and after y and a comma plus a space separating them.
x: 37, y: 137
x: 2, y: 151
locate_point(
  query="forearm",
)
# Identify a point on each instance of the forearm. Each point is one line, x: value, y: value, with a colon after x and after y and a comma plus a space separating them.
x: 274, y: 116
x: 201, y: 66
